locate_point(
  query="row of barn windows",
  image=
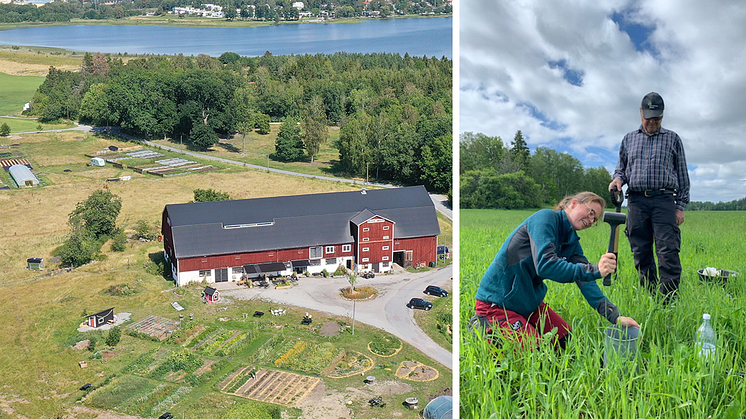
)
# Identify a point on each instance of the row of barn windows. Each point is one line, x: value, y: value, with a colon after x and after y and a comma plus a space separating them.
x: 240, y: 270
x: 366, y: 249
x: 366, y: 229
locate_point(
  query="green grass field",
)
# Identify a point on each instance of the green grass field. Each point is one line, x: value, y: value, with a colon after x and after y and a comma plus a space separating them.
x: 672, y: 381
x: 16, y: 91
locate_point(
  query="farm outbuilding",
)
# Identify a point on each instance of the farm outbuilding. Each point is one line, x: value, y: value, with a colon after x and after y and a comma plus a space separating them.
x: 361, y: 231
x: 210, y: 295
x: 22, y: 176
x: 35, y: 264
x: 439, y: 408
x: 101, y: 318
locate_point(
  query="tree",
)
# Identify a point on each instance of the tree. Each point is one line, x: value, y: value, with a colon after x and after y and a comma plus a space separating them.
x: 261, y: 122
x: 519, y: 151
x: 314, y: 123
x: 203, y: 137
x: 205, y: 195
x: 4, y: 129
x: 98, y: 214
x: 289, y: 145
x: 79, y: 249
x: 480, y: 152
x: 114, y: 336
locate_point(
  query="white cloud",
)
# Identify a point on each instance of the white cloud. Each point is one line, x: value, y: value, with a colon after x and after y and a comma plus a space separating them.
x: 693, y: 58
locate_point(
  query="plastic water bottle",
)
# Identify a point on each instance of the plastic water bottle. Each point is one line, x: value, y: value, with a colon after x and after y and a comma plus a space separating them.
x: 706, y: 338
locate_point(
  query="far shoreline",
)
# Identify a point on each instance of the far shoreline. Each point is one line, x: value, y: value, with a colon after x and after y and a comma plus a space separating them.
x: 168, y: 21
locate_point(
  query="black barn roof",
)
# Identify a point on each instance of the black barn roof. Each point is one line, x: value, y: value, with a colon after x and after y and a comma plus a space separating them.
x: 250, y: 225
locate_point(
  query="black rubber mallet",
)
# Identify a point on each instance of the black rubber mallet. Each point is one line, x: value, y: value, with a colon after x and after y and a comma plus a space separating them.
x: 615, y: 219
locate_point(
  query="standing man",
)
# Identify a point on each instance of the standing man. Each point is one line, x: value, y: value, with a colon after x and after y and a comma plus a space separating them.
x: 653, y: 166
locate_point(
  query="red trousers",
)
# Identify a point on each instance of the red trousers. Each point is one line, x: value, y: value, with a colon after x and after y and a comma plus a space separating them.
x: 527, y: 331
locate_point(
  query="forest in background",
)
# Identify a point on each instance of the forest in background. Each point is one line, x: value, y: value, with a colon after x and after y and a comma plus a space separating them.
x: 394, y: 112
x: 496, y: 175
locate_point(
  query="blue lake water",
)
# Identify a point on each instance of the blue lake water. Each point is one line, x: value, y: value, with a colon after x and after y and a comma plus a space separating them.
x: 417, y: 36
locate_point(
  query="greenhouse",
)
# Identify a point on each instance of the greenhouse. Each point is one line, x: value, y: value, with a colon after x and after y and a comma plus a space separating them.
x: 439, y: 408
x: 22, y: 176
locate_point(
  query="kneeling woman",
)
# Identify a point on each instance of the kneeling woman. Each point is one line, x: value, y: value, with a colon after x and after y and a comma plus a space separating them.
x: 511, y: 294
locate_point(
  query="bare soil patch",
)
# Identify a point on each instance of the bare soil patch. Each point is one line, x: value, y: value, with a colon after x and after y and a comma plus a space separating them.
x: 324, y: 403
x: 329, y: 329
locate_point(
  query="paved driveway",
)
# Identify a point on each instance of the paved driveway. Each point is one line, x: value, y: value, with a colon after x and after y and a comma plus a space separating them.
x: 387, y: 311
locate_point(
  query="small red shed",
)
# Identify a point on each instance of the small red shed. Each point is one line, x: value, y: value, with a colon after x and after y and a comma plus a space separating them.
x: 210, y: 295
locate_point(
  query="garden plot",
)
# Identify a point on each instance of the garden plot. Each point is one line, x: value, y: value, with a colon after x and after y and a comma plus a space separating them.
x: 220, y: 342
x: 159, y: 164
x: 297, y: 355
x: 416, y: 371
x: 155, y: 326
x: 270, y: 386
x: 137, y: 396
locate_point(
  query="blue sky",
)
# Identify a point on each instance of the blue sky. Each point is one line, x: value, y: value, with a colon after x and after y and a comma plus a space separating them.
x: 571, y: 74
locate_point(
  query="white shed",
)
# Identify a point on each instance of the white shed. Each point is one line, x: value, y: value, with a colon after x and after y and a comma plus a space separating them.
x: 97, y: 161
x: 22, y: 176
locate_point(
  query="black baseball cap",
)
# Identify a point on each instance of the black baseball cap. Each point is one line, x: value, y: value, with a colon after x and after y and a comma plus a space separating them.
x: 652, y: 106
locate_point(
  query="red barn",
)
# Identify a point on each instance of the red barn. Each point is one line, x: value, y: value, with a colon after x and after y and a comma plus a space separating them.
x: 369, y: 230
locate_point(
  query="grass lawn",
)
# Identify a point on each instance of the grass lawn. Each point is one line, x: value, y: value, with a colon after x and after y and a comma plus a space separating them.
x: 672, y: 381
x: 16, y: 91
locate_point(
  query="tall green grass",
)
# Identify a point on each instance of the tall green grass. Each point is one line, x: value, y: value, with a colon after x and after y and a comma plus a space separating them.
x: 670, y: 380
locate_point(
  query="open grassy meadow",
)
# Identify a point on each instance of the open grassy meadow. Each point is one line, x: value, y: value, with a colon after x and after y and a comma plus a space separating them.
x: 671, y: 381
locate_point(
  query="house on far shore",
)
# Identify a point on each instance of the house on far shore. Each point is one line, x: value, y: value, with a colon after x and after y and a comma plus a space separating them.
x: 101, y: 318
x: 361, y: 231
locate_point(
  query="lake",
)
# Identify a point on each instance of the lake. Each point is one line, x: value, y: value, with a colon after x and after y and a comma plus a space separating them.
x: 416, y: 36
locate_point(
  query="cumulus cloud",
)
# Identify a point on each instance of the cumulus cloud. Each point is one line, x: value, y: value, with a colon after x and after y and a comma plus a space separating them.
x: 571, y: 75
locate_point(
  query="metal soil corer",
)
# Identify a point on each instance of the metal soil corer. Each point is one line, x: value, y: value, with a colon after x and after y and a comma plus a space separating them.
x: 615, y: 219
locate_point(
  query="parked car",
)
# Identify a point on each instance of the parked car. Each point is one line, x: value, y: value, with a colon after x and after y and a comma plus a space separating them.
x: 443, y: 252
x: 419, y: 303
x: 436, y: 291
x: 369, y: 275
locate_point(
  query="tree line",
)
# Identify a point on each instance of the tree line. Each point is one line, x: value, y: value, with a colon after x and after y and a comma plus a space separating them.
x: 735, y: 205
x: 497, y: 175
x: 394, y: 112
x: 260, y: 10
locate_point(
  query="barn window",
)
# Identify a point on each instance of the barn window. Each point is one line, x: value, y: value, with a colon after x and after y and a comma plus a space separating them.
x: 385, y: 248
x: 205, y: 273
x: 385, y: 258
x: 329, y: 249
x: 365, y: 229
x: 347, y: 248
x: 365, y: 249
x: 365, y: 239
x: 316, y: 252
x: 316, y: 262
x: 385, y: 237
x: 386, y: 227
x: 385, y: 264
x: 365, y: 259
x: 238, y: 270
x: 331, y: 261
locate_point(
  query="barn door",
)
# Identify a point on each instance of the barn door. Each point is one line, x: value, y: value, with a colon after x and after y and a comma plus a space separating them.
x: 221, y: 275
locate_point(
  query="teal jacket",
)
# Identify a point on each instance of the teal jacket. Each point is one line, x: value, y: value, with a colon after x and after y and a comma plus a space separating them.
x: 544, y: 246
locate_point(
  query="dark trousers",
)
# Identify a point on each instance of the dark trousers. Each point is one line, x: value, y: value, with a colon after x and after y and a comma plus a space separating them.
x: 653, y: 220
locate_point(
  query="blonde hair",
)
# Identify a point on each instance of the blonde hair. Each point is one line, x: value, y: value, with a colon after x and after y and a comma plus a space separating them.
x: 584, y: 198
